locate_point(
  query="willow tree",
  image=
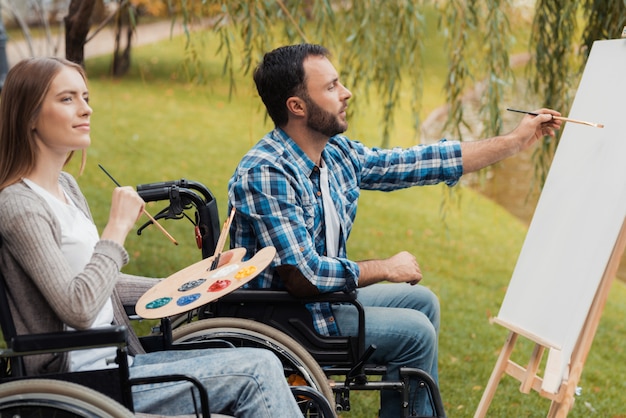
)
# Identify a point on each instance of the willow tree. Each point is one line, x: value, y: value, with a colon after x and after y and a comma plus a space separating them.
x: 379, y: 45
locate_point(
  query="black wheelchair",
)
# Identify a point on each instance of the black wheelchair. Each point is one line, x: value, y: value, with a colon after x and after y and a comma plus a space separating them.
x: 102, y: 393
x: 278, y: 321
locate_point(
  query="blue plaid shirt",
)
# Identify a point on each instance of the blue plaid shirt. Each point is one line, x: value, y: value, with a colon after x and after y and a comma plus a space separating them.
x: 275, y: 190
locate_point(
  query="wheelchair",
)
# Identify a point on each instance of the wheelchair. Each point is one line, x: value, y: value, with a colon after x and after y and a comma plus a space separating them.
x: 101, y: 393
x: 275, y: 320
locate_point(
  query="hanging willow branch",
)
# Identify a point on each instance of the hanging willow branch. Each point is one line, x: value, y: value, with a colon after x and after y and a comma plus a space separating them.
x: 377, y: 46
x: 496, y: 64
x: 605, y: 20
x: 555, y: 60
x: 459, y: 22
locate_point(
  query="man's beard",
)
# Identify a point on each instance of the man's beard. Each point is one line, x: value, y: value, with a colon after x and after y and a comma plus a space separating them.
x: 322, y: 121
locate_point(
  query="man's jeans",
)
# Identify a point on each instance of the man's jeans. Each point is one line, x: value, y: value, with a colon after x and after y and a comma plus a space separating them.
x: 244, y: 382
x: 403, y: 322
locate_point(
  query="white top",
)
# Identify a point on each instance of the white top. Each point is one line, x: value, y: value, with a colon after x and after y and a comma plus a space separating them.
x: 79, y: 236
x: 331, y: 218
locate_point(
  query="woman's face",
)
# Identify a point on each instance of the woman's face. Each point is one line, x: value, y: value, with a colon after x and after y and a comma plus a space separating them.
x: 63, y: 122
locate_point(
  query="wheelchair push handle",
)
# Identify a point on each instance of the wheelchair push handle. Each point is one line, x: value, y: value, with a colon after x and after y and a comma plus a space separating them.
x: 159, y: 190
x: 154, y: 194
x: 181, y: 196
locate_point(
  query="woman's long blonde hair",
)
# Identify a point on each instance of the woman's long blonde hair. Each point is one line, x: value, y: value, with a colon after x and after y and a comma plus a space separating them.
x: 23, y: 92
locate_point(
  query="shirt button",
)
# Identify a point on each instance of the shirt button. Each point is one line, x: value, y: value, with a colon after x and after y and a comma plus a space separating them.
x: 319, y: 193
x: 301, y: 249
x: 331, y: 319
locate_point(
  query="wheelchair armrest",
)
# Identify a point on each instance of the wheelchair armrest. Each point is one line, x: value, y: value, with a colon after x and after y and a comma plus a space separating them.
x: 255, y: 295
x: 242, y: 303
x: 70, y: 340
x: 333, y: 297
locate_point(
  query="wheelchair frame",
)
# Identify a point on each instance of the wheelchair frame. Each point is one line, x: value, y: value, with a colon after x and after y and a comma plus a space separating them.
x: 338, y: 355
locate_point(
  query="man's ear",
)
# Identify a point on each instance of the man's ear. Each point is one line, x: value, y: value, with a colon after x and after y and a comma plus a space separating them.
x: 296, y: 106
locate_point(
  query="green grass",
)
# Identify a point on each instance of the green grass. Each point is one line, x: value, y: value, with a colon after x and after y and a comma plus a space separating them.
x: 153, y: 126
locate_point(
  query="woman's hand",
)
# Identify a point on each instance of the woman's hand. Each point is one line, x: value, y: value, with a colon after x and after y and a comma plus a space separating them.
x: 126, y: 208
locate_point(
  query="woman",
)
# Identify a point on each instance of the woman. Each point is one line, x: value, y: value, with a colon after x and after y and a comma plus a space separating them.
x: 62, y: 275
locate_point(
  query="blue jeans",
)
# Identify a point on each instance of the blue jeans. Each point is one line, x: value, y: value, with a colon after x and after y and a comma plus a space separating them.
x: 403, y: 322
x: 243, y: 382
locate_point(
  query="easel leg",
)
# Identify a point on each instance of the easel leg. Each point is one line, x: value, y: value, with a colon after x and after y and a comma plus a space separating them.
x: 579, y: 355
x: 531, y: 369
x: 496, y: 375
x: 561, y: 409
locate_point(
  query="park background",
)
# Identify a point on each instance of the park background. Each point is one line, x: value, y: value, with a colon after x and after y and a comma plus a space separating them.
x: 157, y: 123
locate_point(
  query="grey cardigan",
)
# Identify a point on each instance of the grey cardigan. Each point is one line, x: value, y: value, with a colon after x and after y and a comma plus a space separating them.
x: 43, y: 293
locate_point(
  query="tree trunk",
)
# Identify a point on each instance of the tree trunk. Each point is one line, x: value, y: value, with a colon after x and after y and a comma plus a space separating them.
x: 121, y: 54
x: 77, y: 23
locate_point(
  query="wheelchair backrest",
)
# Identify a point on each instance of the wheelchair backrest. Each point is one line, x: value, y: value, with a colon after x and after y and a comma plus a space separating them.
x: 8, y: 330
x: 6, y: 320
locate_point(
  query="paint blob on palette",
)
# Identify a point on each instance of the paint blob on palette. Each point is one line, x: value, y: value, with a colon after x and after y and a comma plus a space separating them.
x: 198, y: 285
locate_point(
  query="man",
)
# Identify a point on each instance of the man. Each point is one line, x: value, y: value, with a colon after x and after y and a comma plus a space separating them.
x: 297, y: 190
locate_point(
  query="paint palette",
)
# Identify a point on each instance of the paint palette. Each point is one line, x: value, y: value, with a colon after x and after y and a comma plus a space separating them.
x: 198, y: 285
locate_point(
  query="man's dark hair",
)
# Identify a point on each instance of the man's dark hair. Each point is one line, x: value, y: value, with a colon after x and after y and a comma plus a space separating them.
x: 281, y: 75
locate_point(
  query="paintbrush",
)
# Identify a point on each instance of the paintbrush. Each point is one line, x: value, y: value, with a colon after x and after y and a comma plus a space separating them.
x: 582, y: 122
x: 145, y: 212
x: 222, y: 240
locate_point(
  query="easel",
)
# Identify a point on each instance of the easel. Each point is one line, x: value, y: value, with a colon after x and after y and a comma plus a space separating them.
x: 563, y: 399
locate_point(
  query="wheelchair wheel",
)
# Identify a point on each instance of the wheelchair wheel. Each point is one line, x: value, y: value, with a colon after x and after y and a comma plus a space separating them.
x: 31, y: 398
x: 300, y: 367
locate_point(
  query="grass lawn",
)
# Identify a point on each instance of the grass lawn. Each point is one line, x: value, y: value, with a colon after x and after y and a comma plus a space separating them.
x: 153, y: 126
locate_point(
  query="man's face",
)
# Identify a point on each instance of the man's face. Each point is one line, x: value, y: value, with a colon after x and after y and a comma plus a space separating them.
x: 326, y: 98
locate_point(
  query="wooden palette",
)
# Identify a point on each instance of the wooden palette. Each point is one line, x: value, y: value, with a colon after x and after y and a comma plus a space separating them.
x: 198, y: 285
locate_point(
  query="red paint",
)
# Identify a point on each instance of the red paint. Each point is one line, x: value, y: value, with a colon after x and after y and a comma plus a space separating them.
x: 219, y: 285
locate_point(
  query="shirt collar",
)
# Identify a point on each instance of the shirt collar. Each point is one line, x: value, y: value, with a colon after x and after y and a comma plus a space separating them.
x: 299, y: 157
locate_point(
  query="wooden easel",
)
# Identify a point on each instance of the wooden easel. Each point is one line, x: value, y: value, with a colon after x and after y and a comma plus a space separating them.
x: 563, y: 399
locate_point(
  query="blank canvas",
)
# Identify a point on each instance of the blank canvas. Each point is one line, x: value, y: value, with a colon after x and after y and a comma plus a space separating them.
x: 578, y: 217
